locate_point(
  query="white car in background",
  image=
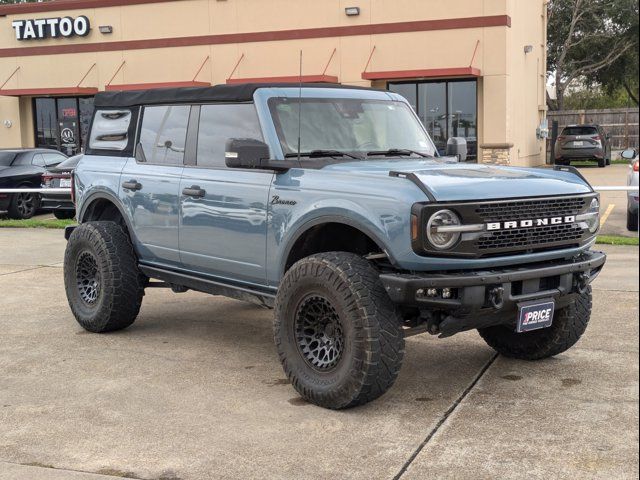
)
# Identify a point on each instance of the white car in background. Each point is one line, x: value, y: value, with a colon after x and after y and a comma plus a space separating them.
x: 632, y: 197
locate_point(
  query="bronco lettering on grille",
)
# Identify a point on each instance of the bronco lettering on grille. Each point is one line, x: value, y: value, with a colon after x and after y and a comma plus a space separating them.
x: 538, y: 222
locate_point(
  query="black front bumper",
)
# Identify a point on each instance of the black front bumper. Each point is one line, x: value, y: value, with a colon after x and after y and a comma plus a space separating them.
x: 494, y: 291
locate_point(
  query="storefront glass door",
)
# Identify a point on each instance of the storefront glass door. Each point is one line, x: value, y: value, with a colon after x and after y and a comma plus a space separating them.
x: 62, y: 123
x: 446, y: 108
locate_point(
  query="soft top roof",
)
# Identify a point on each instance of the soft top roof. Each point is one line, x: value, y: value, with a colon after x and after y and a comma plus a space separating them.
x: 218, y: 93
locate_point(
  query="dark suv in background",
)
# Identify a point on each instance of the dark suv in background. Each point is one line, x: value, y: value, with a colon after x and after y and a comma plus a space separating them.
x: 583, y: 142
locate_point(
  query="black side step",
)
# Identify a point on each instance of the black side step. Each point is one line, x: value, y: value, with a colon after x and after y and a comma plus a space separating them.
x: 206, y: 285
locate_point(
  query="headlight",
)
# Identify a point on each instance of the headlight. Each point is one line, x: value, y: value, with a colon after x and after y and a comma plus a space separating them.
x: 437, y: 232
x: 593, y: 221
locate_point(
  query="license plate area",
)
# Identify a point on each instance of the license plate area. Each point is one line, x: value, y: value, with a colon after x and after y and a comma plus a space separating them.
x: 535, y: 315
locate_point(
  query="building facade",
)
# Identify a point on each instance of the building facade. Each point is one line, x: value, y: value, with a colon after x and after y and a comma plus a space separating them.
x: 470, y: 68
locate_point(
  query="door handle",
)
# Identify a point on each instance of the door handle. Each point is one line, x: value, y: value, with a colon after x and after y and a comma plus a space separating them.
x: 132, y: 185
x: 194, y: 191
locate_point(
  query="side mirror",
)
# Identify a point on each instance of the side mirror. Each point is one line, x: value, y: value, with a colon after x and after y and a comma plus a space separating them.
x: 457, y: 147
x: 629, y: 154
x: 246, y: 153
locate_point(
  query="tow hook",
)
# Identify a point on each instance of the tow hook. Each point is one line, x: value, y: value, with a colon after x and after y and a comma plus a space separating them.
x: 582, y: 281
x: 496, y: 297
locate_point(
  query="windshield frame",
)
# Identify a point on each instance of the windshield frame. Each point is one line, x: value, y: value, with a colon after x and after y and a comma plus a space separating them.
x: 311, y: 95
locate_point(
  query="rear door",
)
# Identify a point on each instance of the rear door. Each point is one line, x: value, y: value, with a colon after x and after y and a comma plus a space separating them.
x: 150, y: 182
x: 224, y: 211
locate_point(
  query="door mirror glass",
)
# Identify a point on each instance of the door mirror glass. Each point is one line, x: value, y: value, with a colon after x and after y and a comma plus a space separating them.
x: 246, y: 153
x: 629, y: 154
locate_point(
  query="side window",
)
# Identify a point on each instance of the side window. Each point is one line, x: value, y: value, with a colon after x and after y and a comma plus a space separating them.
x: 163, y: 134
x: 38, y: 160
x: 218, y: 123
x: 110, y: 130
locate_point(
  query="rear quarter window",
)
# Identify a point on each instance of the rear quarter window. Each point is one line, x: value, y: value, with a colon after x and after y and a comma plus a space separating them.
x: 6, y: 159
x: 110, y: 130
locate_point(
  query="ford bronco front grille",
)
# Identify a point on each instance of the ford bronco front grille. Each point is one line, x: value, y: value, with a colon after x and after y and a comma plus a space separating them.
x: 516, y: 210
x: 526, y: 238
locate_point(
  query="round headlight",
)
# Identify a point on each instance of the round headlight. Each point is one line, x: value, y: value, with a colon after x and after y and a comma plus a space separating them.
x: 437, y: 233
x: 593, y: 222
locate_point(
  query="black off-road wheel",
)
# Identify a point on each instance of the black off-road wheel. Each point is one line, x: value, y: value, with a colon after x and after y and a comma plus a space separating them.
x: 101, y: 277
x: 338, y: 334
x: 24, y: 205
x: 64, y: 214
x: 569, y: 323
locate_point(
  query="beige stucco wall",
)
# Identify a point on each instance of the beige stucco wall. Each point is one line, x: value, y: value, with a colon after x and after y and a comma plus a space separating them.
x: 509, y: 91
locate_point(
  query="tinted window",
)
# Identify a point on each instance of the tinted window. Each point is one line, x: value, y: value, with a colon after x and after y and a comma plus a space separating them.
x: 163, y: 134
x: 218, y: 123
x: 580, y: 131
x: 38, y: 160
x: 6, y: 159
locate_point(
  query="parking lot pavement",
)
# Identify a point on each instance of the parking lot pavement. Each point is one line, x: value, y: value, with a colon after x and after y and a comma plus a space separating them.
x: 194, y: 390
x: 613, y: 205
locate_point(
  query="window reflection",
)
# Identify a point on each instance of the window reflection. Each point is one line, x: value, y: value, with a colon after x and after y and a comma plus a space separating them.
x: 446, y: 108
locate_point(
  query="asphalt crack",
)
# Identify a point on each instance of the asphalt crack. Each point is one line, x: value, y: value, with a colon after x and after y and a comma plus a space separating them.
x: 446, y: 416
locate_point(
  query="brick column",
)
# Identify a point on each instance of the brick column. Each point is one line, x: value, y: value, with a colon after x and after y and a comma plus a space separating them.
x: 496, y: 153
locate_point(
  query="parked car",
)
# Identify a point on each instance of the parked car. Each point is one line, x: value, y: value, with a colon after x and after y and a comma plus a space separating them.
x: 61, y: 204
x: 632, y: 181
x: 346, y: 221
x: 583, y: 142
x: 23, y: 168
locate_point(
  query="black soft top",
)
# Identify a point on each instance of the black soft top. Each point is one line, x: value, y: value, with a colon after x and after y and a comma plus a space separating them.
x: 218, y: 93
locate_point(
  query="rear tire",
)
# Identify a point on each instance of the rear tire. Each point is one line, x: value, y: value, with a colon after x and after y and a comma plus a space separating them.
x: 632, y: 221
x: 338, y: 335
x: 569, y: 323
x: 24, y: 205
x: 101, y: 277
x: 64, y: 214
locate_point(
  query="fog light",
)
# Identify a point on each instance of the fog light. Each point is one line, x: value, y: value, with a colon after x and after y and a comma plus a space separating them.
x: 446, y: 293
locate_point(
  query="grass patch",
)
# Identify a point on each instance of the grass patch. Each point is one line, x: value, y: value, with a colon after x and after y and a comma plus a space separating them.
x: 615, y: 240
x: 593, y: 163
x: 31, y: 223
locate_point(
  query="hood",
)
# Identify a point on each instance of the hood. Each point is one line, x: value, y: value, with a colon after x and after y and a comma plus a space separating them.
x: 452, y: 182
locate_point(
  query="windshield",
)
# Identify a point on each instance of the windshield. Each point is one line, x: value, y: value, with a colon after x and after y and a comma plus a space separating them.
x: 355, y: 126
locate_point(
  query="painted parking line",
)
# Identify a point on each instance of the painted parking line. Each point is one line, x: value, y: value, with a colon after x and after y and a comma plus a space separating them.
x: 607, y: 213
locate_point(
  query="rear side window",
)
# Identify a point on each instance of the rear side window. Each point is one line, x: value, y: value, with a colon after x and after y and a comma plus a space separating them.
x: 218, y: 123
x: 573, y: 131
x: 110, y: 130
x: 6, y: 159
x: 163, y: 134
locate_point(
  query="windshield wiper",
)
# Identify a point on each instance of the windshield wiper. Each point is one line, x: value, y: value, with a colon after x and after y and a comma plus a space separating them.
x: 323, y: 153
x: 398, y: 152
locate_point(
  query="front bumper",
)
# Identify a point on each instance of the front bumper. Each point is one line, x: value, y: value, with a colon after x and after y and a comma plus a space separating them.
x: 494, y: 291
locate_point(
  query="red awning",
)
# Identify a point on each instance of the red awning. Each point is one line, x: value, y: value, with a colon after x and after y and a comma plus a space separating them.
x: 33, y: 92
x: 286, y: 79
x: 151, y: 86
x: 427, y: 73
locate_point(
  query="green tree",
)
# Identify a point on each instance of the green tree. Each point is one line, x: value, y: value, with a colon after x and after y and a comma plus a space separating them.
x: 587, y: 39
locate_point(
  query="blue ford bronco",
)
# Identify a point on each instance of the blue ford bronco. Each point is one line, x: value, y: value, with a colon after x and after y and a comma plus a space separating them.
x: 332, y: 206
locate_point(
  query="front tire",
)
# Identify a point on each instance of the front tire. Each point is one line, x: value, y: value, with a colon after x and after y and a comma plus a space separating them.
x: 569, y: 323
x: 101, y: 277
x: 338, y: 335
x: 632, y: 221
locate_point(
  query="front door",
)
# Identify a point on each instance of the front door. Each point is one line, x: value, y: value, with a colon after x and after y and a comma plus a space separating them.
x: 150, y: 183
x: 224, y: 211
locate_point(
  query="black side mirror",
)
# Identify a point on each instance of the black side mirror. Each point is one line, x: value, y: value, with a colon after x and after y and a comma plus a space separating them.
x: 246, y: 153
x: 457, y: 147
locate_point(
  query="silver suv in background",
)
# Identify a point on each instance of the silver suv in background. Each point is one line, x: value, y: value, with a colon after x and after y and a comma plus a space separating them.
x: 583, y: 142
